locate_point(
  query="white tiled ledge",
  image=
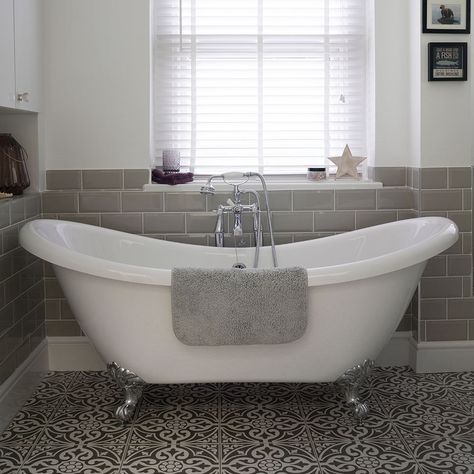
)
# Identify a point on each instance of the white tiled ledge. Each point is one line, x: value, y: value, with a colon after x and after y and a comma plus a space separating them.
x: 272, y: 185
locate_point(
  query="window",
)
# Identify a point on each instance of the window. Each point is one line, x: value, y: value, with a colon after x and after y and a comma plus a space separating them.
x: 272, y: 86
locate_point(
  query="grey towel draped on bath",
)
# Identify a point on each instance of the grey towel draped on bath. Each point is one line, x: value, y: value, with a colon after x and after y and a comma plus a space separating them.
x: 213, y: 307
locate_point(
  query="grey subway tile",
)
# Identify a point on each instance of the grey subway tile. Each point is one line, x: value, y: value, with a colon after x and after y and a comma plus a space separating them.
x: 441, y: 287
x: 188, y: 239
x: 317, y: 200
x: 279, y: 239
x: 52, y: 288
x: 466, y: 242
x: 54, y: 202
x: 371, y: 218
x: 390, y: 176
x: 396, y: 198
x: 292, y: 221
x: 142, y: 202
x: 434, y: 178
x: 462, y: 219
x: 416, y: 178
x: 405, y: 324
x: 436, y: 266
x: 184, y: 202
x: 17, y: 210
x: 405, y: 214
x: 471, y: 330
x: 459, y: 177
x: 63, y: 179
x: 461, y: 308
x: 102, y: 179
x: 433, y: 308
x: 278, y: 200
x: 135, y: 179
x: 66, y: 311
x: 337, y: 221
x: 90, y: 219
x: 10, y: 239
x: 32, y: 206
x: 355, y: 199
x: 466, y: 199
x: 99, y: 202
x: 200, y: 222
x: 442, y: 200
x: 467, y: 287
x: 52, y: 309
x: 125, y: 222
x: 446, y: 330
x: 459, y: 265
x: 305, y: 236
x: 62, y: 328
x: 4, y: 213
x: 164, y: 223
x: 456, y: 248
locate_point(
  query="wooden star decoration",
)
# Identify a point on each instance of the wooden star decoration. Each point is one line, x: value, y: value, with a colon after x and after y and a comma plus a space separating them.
x: 347, y: 164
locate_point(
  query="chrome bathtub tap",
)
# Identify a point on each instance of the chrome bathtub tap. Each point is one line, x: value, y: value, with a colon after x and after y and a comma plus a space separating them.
x: 236, y: 209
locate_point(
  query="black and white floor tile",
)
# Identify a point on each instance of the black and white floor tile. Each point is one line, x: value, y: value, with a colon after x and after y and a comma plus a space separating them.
x: 418, y: 424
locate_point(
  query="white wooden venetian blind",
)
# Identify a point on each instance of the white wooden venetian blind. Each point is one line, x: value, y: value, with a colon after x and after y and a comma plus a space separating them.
x: 272, y: 86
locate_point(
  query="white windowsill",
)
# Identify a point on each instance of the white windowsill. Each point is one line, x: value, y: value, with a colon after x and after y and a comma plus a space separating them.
x: 273, y: 184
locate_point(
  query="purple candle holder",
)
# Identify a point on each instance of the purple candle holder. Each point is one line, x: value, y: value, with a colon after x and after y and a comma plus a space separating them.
x: 171, y: 161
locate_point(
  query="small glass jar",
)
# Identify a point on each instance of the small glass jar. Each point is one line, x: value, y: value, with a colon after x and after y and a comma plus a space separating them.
x: 316, y: 174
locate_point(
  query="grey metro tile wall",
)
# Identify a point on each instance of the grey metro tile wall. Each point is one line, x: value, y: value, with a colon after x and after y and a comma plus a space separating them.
x: 297, y: 216
x: 22, y: 310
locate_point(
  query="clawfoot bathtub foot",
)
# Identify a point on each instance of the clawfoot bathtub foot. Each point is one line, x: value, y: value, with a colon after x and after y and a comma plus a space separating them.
x: 352, y: 381
x: 132, y: 385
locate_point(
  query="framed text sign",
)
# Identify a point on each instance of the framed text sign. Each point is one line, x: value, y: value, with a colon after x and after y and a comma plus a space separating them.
x: 447, y: 61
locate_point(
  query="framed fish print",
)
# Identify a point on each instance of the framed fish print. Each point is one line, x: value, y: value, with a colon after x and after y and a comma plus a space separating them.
x: 447, y: 61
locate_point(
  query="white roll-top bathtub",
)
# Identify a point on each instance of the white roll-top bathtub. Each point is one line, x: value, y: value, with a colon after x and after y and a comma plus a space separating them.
x: 118, y: 286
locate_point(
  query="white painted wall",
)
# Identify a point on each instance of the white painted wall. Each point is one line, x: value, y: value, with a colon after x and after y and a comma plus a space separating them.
x: 97, y: 89
x: 392, y: 83
x: 96, y: 111
x: 446, y: 113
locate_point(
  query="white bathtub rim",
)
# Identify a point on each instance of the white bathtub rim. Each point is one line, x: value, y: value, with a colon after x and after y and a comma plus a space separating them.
x: 418, y: 252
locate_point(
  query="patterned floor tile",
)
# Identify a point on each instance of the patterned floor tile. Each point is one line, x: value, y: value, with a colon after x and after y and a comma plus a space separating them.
x: 27, y: 425
x: 366, y: 457
x: 95, y: 425
x: 271, y: 458
x: 179, y: 395
x: 73, y: 458
x: 418, y: 423
x: 444, y: 455
x: 254, y: 423
x: 336, y: 422
x: 189, y: 423
x: 183, y: 458
x: 12, y: 458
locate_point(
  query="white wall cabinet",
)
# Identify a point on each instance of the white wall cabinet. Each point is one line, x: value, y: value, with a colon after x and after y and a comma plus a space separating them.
x: 20, y: 54
x: 7, y: 54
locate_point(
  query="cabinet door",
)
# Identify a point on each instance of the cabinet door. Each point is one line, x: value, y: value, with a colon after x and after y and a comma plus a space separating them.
x: 7, y: 55
x: 28, y: 54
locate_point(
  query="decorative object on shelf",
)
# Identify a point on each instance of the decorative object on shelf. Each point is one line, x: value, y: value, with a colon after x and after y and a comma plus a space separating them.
x: 13, y: 171
x: 447, y: 61
x: 452, y: 17
x: 347, y: 164
x: 316, y: 174
x: 171, y: 161
x: 159, y: 177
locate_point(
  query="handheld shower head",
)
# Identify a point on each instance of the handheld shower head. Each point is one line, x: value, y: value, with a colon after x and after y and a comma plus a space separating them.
x: 208, y: 189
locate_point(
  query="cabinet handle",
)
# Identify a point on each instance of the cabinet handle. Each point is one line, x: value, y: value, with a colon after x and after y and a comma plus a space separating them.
x: 25, y: 97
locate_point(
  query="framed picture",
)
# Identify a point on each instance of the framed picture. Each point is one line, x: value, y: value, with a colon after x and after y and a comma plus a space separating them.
x: 447, y: 61
x: 452, y: 17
